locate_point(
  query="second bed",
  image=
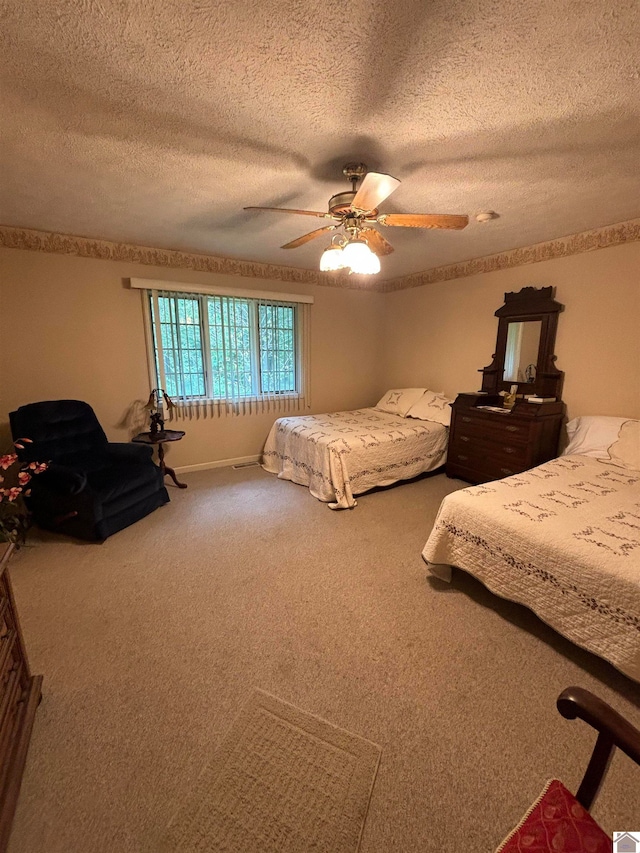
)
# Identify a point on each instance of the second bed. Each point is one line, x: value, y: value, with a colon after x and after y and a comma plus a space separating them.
x: 343, y: 454
x: 562, y: 539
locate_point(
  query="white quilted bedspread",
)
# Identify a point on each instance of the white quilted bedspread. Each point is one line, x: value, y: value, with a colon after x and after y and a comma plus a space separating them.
x: 563, y: 539
x: 342, y: 454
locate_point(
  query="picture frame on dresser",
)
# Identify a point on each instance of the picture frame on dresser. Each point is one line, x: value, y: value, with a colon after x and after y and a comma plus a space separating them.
x: 20, y: 695
x: 487, y: 439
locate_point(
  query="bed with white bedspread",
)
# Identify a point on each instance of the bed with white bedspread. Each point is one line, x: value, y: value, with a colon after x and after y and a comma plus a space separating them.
x: 343, y: 454
x: 563, y: 539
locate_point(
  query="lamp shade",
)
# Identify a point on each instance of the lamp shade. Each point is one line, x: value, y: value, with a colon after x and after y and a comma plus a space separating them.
x: 332, y: 258
x: 374, y: 264
x: 359, y: 257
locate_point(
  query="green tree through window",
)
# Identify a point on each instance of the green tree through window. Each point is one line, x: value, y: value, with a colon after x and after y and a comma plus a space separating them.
x: 224, y: 348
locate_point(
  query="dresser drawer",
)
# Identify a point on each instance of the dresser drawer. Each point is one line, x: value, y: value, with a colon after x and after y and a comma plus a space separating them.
x: 500, y: 451
x: 9, y: 657
x: 12, y: 713
x: 479, y: 468
x: 11, y: 694
x: 19, y: 696
x: 497, y: 428
x: 4, y: 605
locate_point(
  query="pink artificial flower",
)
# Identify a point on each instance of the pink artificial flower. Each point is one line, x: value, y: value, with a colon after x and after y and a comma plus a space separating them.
x: 7, y: 460
x: 39, y: 467
x: 23, y: 478
x: 13, y: 493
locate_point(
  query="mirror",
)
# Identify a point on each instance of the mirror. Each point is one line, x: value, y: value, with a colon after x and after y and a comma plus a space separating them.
x: 524, y: 356
x: 521, y: 354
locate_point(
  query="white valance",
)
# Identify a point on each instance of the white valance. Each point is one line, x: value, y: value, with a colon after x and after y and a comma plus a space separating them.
x: 241, y: 293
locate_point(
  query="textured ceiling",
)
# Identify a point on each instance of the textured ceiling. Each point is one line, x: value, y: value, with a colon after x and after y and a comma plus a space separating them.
x: 157, y: 123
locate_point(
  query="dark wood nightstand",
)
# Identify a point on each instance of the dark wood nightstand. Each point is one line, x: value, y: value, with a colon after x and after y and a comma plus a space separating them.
x: 159, y: 439
x: 488, y: 445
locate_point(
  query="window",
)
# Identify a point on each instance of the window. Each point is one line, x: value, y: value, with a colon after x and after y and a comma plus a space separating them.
x: 226, y: 348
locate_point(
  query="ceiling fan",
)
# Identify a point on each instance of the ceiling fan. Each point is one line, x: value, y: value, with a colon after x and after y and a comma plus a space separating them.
x: 352, y: 211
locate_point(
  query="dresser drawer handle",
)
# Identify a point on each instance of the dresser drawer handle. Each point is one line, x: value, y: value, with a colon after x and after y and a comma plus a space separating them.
x: 464, y: 438
x: 462, y: 458
x: 466, y: 419
x: 509, y: 449
x: 506, y: 471
x: 513, y: 428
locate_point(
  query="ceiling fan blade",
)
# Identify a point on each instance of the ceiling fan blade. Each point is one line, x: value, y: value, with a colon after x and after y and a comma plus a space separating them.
x: 424, y: 220
x: 373, y: 190
x: 292, y: 210
x: 300, y: 241
x: 376, y: 242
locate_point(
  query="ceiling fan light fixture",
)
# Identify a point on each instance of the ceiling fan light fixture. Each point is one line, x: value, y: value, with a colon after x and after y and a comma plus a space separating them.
x: 359, y: 257
x: 332, y: 258
x: 354, y: 210
x: 373, y: 264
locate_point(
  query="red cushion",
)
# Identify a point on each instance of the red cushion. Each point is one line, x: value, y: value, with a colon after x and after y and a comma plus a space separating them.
x: 556, y: 823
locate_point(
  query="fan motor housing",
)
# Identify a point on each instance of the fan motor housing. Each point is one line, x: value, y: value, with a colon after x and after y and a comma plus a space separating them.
x: 340, y: 204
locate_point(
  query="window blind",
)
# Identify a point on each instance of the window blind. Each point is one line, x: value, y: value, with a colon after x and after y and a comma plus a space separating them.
x: 217, y: 354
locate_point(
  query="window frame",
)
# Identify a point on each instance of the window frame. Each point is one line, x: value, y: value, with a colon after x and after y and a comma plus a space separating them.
x: 152, y: 290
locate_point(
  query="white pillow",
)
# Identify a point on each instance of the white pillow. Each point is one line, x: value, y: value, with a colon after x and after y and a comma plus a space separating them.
x: 432, y: 407
x: 625, y: 452
x: 592, y: 435
x: 398, y: 401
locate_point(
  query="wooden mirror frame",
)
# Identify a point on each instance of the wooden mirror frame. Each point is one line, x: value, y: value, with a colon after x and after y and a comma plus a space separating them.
x: 530, y: 303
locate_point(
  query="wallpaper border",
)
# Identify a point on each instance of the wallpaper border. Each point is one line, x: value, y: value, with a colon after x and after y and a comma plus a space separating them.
x: 562, y: 247
x: 65, y: 244
x: 85, y: 247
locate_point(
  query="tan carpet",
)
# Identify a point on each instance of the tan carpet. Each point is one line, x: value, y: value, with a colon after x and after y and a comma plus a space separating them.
x: 282, y: 781
x: 150, y: 643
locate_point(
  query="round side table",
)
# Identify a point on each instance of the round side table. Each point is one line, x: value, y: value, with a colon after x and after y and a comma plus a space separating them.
x: 160, y: 439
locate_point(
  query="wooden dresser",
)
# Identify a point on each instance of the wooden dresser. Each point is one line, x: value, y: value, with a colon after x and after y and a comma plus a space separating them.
x: 19, y: 697
x: 486, y: 445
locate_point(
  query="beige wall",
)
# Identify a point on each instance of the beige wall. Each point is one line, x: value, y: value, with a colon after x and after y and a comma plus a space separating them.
x: 446, y: 332
x: 71, y: 328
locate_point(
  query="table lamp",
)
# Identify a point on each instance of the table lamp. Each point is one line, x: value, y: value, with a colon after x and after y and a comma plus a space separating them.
x: 154, y: 405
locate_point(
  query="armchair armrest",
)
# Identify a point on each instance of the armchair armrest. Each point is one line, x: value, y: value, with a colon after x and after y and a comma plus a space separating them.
x: 129, y: 452
x: 613, y: 731
x: 61, y: 479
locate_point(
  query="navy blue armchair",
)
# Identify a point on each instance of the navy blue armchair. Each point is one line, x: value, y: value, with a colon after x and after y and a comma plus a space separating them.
x: 92, y: 487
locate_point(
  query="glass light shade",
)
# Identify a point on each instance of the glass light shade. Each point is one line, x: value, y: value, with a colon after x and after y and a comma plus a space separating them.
x: 357, y: 255
x: 374, y: 264
x: 332, y: 259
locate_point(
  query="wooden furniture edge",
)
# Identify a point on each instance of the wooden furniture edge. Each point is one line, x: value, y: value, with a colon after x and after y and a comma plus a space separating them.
x: 613, y: 731
x: 15, y: 769
x: 22, y: 726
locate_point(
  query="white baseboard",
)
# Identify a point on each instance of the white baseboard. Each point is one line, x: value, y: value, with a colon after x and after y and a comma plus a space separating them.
x: 219, y: 463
